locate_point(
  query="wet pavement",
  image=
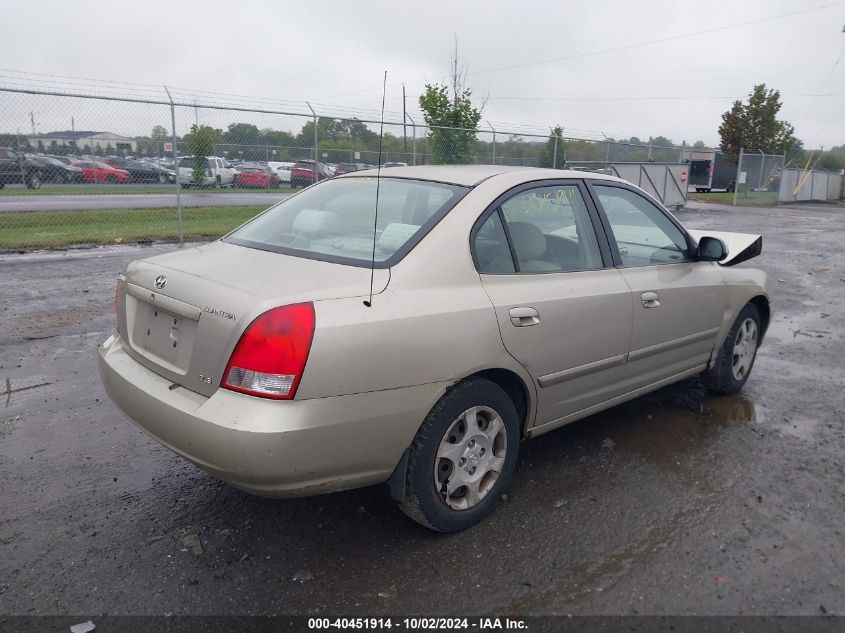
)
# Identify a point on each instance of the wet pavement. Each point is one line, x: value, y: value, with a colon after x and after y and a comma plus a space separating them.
x: 676, y: 503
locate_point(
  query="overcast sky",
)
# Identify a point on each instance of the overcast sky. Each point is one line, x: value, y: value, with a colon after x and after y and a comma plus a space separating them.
x: 335, y: 53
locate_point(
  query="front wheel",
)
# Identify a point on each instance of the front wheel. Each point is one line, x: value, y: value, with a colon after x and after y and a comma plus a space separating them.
x: 735, y: 359
x: 33, y: 181
x: 462, y: 457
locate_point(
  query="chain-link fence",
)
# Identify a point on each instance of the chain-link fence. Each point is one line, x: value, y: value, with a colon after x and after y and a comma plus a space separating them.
x: 158, y: 164
x: 758, y: 178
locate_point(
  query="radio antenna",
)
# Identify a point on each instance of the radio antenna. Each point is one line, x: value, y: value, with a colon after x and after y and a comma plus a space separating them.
x: 369, y: 303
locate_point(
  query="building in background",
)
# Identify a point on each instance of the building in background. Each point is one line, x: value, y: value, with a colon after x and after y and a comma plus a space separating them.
x: 83, y: 140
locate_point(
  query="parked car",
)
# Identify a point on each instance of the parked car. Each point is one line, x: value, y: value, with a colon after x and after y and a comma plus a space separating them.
x: 53, y: 170
x: 95, y: 171
x: 218, y: 172
x: 15, y: 167
x: 67, y: 160
x: 143, y: 172
x: 501, y: 303
x: 256, y: 176
x: 345, y: 168
x: 394, y: 164
x: 282, y: 170
x: 302, y: 173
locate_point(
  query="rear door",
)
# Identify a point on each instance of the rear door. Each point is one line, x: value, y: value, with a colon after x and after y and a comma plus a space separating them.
x: 679, y: 303
x: 563, y: 310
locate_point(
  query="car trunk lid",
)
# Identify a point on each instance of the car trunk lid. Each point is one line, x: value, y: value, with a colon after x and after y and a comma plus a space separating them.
x: 182, y: 313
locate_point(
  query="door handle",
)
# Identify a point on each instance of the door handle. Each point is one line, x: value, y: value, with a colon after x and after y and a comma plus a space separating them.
x: 522, y: 317
x: 650, y: 299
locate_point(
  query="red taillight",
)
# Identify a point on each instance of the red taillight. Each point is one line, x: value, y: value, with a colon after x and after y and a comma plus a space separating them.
x: 270, y: 356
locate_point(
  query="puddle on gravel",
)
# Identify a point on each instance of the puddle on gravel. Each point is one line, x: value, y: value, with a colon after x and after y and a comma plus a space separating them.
x: 670, y: 421
x: 676, y: 430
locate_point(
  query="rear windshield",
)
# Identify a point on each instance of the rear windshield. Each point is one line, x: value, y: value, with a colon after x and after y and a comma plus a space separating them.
x: 186, y: 162
x: 333, y: 220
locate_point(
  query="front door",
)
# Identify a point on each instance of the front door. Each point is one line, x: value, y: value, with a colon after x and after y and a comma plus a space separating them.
x: 679, y: 303
x: 563, y: 310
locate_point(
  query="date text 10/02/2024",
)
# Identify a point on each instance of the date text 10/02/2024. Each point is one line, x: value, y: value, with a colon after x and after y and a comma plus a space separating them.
x: 418, y: 624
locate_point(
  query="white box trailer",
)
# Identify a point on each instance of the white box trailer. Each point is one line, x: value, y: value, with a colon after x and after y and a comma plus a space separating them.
x: 710, y: 170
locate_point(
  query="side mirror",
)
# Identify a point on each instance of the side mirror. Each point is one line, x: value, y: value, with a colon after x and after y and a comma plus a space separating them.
x: 711, y: 249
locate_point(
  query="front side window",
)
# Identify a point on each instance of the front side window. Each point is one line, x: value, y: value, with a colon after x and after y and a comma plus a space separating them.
x: 643, y: 233
x: 334, y: 220
x: 550, y: 230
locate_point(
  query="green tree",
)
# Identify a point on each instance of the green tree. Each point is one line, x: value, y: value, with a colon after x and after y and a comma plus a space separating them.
x: 552, y: 153
x: 200, y: 143
x: 160, y: 133
x: 446, y: 108
x: 754, y: 125
x: 699, y: 145
x: 831, y: 162
x: 795, y: 154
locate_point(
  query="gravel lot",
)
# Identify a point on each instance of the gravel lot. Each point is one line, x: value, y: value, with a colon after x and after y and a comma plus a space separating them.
x: 676, y: 503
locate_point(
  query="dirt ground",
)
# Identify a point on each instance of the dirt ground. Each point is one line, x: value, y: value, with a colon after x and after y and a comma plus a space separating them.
x: 677, y: 503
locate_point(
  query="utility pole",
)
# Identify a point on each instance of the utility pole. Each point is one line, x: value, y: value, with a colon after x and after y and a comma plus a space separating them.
x: 72, y: 125
x: 32, y: 118
x: 404, y: 126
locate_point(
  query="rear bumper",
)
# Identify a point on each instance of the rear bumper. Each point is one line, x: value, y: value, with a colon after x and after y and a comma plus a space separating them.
x: 267, y: 447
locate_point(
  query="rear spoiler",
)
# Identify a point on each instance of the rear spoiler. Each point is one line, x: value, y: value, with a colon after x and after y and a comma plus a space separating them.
x: 740, y: 246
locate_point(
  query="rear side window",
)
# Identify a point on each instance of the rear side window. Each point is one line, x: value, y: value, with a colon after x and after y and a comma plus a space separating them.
x: 334, y: 221
x: 492, y: 252
x: 549, y: 230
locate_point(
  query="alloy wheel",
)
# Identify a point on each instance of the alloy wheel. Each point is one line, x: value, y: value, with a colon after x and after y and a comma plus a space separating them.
x: 745, y: 347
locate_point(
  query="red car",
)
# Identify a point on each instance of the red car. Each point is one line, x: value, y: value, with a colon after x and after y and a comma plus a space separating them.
x: 302, y: 173
x: 100, y: 172
x: 256, y: 176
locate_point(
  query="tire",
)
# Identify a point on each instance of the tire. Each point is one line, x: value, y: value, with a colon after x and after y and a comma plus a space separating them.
x: 162, y: 179
x: 478, y: 424
x: 217, y: 183
x: 735, y: 359
x: 2, y: 184
x: 111, y: 179
x: 33, y: 181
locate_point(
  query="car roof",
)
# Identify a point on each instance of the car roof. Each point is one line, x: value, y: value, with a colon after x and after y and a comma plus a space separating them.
x: 471, y: 175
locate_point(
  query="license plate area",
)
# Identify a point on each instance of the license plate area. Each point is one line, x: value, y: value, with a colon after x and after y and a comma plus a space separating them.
x: 162, y: 336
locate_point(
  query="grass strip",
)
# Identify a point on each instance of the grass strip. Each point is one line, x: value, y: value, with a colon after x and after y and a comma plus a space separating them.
x: 57, y: 229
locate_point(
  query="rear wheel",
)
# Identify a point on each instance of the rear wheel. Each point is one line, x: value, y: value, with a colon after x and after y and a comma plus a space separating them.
x: 33, y: 181
x: 111, y: 179
x: 462, y: 457
x: 733, y: 364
